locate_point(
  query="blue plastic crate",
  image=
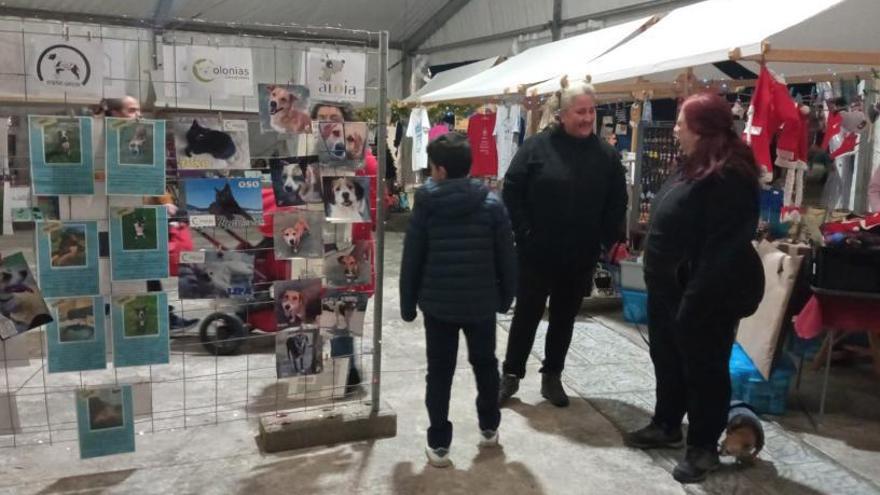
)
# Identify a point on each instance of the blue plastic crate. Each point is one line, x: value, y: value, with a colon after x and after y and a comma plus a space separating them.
x: 747, y: 384
x: 635, y: 306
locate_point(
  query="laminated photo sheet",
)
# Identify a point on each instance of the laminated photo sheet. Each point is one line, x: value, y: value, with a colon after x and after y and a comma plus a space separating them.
x: 140, y: 329
x: 211, y: 143
x: 298, y: 234
x: 139, y: 243
x: 67, y: 258
x: 61, y: 155
x: 215, y: 275
x: 296, y: 181
x: 22, y: 306
x: 299, y: 352
x: 349, y: 266
x: 328, y: 384
x: 343, y: 312
x: 336, y: 75
x: 76, y: 340
x: 222, y: 202
x: 135, y: 152
x: 347, y: 199
x: 284, y: 108
x: 105, y: 420
x: 297, y: 302
x: 341, y: 144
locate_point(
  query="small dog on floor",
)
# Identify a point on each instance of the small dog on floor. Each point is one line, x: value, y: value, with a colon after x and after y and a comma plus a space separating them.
x: 744, y: 436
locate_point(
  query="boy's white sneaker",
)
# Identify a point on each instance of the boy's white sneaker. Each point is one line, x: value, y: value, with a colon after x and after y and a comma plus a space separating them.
x: 438, y: 457
x: 489, y: 438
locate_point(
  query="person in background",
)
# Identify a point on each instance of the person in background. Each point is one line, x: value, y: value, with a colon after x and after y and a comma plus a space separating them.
x: 702, y: 276
x: 179, y: 236
x: 874, y: 191
x: 566, y: 194
x: 459, y: 268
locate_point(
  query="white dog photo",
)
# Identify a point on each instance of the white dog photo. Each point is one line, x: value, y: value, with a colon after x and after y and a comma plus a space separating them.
x: 346, y: 199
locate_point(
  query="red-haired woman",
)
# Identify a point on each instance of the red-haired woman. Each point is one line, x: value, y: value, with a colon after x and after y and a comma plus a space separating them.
x: 703, y: 276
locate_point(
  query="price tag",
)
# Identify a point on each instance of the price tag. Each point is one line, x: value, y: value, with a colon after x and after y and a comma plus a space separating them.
x: 203, y: 221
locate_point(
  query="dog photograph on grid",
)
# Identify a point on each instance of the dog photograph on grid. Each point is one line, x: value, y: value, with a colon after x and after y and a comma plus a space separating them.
x: 341, y: 144
x: 22, y: 306
x: 299, y: 352
x: 211, y: 143
x: 297, y: 302
x: 346, y: 199
x: 344, y: 312
x: 215, y: 274
x: 297, y: 234
x: 295, y: 181
x: 284, y: 108
x: 349, y: 266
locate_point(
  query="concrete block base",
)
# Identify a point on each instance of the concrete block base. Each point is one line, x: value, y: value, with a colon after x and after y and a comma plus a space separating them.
x: 343, y: 423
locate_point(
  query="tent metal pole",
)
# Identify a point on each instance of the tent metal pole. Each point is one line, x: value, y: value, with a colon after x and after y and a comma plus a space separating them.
x: 380, y: 222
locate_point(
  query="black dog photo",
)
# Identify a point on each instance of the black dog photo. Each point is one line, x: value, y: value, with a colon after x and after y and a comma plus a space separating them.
x: 209, y: 143
x: 234, y: 202
x: 300, y: 352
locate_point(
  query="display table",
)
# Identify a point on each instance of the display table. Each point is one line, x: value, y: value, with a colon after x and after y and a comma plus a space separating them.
x: 839, y: 313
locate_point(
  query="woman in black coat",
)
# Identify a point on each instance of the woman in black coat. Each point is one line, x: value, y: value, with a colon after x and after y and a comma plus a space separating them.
x: 703, y: 276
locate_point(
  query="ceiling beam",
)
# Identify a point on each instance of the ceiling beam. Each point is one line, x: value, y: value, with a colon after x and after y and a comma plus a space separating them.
x: 433, y: 24
x: 556, y: 23
x: 291, y: 33
x: 162, y: 13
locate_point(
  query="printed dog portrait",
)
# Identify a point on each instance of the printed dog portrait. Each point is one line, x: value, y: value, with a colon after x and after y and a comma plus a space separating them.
x: 68, y: 246
x: 344, y: 311
x: 349, y: 267
x: 22, y: 306
x: 105, y: 408
x: 329, y: 67
x: 141, y: 317
x: 297, y: 302
x: 297, y: 234
x: 211, y: 143
x: 234, y: 202
x: 139, y: 230
x: 294, y: 183
x: 342, y: 143
x: 135, y: 143
x: 222, y: 275
x: 76, y: 320
x: 346, y: 199
x: 62, y: 142
x: 284, y: 108
x: 298, y: 353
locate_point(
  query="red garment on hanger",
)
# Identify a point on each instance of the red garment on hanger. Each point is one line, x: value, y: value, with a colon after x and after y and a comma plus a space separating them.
x: 762, y: 123
x: 484, y: 155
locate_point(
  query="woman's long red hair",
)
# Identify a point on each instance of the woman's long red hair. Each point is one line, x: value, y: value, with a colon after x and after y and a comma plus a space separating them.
x: 719, y: 148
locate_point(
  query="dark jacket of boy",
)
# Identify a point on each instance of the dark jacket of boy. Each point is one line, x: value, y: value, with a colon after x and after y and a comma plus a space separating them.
x: 459, y: 263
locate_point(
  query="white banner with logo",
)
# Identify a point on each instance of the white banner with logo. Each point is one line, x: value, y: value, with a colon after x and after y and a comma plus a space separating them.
x: 55, y: 65
x: 337, y: 76
x: 208, y: 70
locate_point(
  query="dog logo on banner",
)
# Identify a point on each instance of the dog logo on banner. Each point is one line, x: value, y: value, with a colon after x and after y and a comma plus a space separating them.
x: 63, y: 65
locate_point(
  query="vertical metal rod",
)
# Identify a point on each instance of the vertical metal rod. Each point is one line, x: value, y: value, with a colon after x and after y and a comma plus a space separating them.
x: 380, y: 223
x: 43, y: 368
x: 830, y: 350
x: 9, y: 396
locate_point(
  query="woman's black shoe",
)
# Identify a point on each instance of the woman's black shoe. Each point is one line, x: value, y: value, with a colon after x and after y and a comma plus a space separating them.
x: 654, y: 436
x: 697, y: 463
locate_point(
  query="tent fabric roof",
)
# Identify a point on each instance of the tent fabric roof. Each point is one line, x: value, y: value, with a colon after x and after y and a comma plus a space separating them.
x: 537, y: 64
x: 452, y: 76
x: 698, y: 35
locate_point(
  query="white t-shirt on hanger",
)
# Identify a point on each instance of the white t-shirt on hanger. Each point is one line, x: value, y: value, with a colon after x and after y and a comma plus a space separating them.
x: 506, y: 129
x: 418, y: 130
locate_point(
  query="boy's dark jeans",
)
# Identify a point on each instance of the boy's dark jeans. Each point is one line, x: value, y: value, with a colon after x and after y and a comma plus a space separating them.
x: 442, y: 349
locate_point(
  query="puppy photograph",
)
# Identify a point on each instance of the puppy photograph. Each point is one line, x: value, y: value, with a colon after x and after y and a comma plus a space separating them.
x: 76, y: 320
x: 298, y: 353
x: 209, y: 143
x: 135, y: 141
x: 22, y: 306
x: 62, y: 142
x: 68, y: 246
x: 346, y: 199
x: 234, y: 202
x: 223, y: 274
x: 295, y: 183
x: 105, y: 408
x: 298, y: 233
x: 141, y: 317
x: 344, y: 311
x: 342, y: 143
x: 297, y: 302
x: 349, y: 267
x: 139, y: 230
x: 284, y: 108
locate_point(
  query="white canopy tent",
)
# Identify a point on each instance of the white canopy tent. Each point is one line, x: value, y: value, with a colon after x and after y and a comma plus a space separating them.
x: 800, y: 39
x: 452, y: 76
x: 537, y: 64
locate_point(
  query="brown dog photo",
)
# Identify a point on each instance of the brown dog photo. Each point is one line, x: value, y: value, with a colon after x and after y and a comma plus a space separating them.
x: 284, y: 108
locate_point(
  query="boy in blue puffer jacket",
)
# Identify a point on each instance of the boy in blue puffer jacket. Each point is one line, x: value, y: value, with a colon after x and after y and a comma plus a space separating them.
x: 459, y: 267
